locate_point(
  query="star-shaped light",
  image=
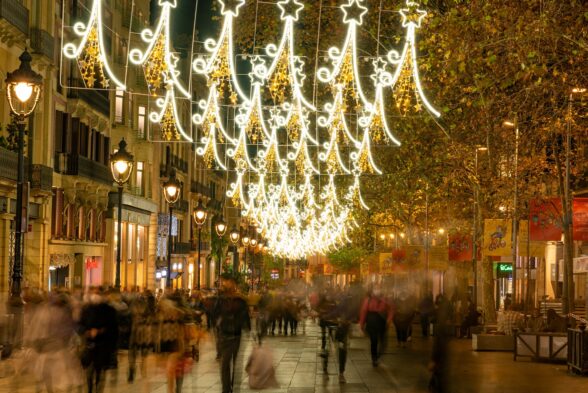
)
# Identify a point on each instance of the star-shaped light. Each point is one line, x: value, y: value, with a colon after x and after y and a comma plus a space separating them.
x: 354, y: 12
x: 258, y: 70
x: 412, y: 15
x: 290, y: 8
x: 231, y: 6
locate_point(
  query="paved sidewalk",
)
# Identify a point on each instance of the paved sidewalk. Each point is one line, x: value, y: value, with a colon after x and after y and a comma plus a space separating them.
x: 299, y: 370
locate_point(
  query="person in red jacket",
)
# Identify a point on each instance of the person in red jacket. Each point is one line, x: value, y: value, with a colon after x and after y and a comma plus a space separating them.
x: 374, y: 318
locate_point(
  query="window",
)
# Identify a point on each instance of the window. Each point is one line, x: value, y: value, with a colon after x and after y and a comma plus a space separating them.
x: 119, y: 106
x: 139, y: 182
x: 141, y: 121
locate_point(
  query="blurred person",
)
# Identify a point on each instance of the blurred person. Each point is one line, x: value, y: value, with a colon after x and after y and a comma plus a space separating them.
x: 232, y: 316
x: 172, y: 340
x: 340, y: 314
x: 99, y: 329
x: 50, y: 334
x: 438, y: 366
x: 536, y: 323
x: 403, y: 315
x: 142, y: 337
x: 471, y: 319
x: 509, y: 320
x: 556, y: 323
x: 426, y: 311
x: 375, y: 317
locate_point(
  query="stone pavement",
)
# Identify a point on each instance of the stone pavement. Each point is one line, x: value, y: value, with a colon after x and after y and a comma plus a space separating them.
x: 299, y: 370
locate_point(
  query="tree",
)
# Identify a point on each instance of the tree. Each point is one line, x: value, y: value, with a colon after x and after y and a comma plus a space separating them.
x: 347, y: 259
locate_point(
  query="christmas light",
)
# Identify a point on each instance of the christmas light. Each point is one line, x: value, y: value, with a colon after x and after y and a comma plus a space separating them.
x: 90, y: 53
x: 405, y: 82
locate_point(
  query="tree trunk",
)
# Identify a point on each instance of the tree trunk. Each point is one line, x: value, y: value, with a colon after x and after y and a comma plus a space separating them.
x: 568, y: 287
x: 488, y: 289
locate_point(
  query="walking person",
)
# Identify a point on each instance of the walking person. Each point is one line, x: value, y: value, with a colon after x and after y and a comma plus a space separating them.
x: 98, y: 326
x: 232, y: 316
x: 375, y: 317
x: 403, y: 316
x: 426, y: 311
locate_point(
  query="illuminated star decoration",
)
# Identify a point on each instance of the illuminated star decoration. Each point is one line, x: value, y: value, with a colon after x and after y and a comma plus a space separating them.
x: 354, y: 12
x: 290, y: 9
x: 231, y: 6
x: 412, y: 14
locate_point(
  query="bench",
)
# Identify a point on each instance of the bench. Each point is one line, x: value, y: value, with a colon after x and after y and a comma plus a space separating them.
x: 492, y: 342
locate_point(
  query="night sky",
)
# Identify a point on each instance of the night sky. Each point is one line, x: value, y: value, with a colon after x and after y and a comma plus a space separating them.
x: 183, y: 18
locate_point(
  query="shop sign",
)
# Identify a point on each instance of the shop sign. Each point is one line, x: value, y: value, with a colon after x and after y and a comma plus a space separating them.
x: 503, y: 269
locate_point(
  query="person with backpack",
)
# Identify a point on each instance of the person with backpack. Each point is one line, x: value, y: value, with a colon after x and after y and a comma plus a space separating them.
x: 375, y: 317
x: 231, y: 314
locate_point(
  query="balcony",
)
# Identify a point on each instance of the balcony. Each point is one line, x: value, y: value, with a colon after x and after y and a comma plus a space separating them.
x: 199, y: 188
x: 182, y: 206
x: 179, y: 164
x: 182, y: 248
x: 14, y: 20
x: 97, y: 99
x: 74, y: 165
x: 41, y: 177
x: 43, y: 43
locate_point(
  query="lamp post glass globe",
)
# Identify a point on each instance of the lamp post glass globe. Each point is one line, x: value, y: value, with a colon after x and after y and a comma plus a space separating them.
x: 172, y: 188
x: 23, y: 87
x: 200, y: 213
x: 121, y: 163
x: 221, y: 227
x: 234, y: 235
x: 253, y: 241
x: 245, y: 239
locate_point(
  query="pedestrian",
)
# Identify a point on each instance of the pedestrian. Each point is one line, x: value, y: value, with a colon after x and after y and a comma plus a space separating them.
x: 98, y: 326
x: 232, y: 316
x: 375, y: 317
x: 426, y: 311
x: 403, y: 316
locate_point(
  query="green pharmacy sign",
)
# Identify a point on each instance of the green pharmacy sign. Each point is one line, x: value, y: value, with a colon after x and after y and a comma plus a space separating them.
x: 504, y: 269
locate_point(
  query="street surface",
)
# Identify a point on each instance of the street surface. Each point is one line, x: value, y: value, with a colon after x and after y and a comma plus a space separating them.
x: 299, y: 370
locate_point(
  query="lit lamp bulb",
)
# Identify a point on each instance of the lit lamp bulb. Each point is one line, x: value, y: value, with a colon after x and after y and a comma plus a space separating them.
x: 121, y: 166
x: 171, y: 191
x: 253, y: 242
x: 234, y: 235
x: 23, y: 91
x: 246, y: 240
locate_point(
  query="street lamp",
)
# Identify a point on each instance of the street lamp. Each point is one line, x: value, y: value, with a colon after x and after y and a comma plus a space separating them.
x: 121, y: 166
x: 221, y: 227
x: 234, y: 235
x: 475, y: 227
x: 171, y: 191
x: 23, y: 89
x: 515, y: 221
x: 199, y: 216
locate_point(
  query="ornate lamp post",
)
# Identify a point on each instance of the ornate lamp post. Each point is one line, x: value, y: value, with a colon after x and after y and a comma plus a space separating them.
x: 121, y: 166
x: 221, y: 229
x: 199, y: 216
x: 23, y: 89
x: 172, y: 189
x: 234, y: 235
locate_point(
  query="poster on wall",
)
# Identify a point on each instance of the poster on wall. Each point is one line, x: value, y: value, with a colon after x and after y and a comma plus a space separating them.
x: 461, y: 247
x: 545, y: 220
x: 580, y: 219
x: 497, y: 237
